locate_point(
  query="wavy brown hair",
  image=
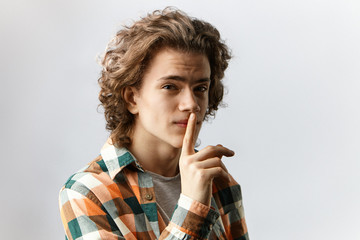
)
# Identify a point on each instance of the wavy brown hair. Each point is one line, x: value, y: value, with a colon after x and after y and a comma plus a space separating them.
x: 129, y: 52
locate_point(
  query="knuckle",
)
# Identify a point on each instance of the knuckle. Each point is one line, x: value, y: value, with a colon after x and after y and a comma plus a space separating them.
x: 184, y: 161
x: 186, y: 140
x: 191, y: 159
x: 210, y: 148
x: 219, y: 170
x: 193, y: 167
x: 201, y: 174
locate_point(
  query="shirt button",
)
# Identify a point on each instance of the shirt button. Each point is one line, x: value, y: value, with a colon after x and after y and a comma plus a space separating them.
x: 148, y: 197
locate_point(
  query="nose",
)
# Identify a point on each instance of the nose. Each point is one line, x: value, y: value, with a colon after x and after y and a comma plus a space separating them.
x: 188, y: 102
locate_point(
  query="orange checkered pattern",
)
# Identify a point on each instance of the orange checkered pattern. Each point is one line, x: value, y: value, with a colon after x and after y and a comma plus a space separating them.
x: 114, y: 198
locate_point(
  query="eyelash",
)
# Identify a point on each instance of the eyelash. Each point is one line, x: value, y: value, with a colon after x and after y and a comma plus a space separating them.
x: 173, y: 87
x: 169, y: 87
x: 203, y: 88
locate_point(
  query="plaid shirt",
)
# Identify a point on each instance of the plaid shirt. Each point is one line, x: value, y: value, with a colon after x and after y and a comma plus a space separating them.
x: 114, y: 198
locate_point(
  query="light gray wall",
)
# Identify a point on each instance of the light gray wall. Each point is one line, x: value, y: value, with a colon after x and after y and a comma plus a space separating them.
x: 293, y: 109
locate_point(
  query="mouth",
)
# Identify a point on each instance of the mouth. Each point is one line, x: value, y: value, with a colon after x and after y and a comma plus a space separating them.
x: 183, y: 123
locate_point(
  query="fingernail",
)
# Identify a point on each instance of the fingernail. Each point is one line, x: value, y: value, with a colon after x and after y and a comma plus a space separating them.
x: 191, y: 116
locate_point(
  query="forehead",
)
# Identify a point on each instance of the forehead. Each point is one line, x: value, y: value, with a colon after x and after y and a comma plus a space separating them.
x: 172, y: 61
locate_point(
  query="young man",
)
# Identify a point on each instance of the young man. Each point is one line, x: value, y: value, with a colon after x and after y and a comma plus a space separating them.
x: 161, y: 79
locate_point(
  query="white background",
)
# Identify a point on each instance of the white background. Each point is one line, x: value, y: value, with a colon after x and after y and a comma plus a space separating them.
x: 293, y: 109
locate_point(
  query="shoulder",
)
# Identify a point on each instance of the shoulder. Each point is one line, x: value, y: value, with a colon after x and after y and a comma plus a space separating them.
x: 91, y: 176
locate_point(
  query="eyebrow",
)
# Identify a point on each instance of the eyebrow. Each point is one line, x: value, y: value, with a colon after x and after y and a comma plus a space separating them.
x: 182, y: 79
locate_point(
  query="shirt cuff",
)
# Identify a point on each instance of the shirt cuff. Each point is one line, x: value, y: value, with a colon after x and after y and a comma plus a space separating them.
x: 194, y: 218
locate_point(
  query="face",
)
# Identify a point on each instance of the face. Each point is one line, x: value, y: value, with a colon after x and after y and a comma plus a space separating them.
x: 174, y: 85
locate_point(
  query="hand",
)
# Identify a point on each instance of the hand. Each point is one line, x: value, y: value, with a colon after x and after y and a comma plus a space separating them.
x: 198, y: 170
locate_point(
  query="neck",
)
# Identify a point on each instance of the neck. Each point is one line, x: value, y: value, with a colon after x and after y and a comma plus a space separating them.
x: 159, y: 158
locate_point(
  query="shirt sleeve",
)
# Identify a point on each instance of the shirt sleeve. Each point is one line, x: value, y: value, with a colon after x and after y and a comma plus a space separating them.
x: 190, y: 220
x: 228, y: 198
x: 83, y: 218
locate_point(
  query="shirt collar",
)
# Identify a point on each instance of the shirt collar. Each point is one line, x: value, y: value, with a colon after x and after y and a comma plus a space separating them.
x: 116, y: 159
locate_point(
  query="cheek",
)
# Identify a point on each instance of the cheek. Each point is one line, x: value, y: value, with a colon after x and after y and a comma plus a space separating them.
x: 165, y: 104
x: 156, y: 108
x: 204, y: 105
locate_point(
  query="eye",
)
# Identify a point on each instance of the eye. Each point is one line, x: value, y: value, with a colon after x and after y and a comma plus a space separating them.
x: 169, y: 87
x: 201, y: 89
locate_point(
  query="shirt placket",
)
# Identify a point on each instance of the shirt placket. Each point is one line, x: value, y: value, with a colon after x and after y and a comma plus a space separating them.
x: 148, y: 200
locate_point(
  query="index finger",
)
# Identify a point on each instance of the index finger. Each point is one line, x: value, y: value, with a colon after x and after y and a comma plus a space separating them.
x: 189, y: 141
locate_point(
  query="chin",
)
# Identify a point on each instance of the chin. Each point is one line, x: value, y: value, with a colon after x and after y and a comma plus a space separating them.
x: 177, y: 142
x: 177, y: 145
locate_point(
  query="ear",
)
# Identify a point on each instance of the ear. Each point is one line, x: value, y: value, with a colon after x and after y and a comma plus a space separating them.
x: 129, y: 95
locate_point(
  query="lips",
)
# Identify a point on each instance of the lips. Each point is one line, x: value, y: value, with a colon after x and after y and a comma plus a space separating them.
x: 183, y: 123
